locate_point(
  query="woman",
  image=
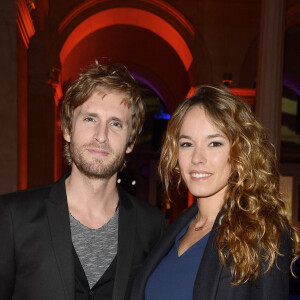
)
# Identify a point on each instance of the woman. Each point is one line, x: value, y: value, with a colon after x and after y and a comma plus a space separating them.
x: 235, y: 242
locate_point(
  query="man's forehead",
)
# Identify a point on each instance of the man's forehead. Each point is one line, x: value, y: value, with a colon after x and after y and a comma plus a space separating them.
x: 110, y: 101
x: 103, y: 92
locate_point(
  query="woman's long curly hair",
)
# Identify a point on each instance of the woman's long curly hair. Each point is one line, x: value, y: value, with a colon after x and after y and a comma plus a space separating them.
x: 254, y: 214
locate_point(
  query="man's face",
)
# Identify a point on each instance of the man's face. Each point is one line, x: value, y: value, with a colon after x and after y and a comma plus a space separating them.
x: 100, y: 132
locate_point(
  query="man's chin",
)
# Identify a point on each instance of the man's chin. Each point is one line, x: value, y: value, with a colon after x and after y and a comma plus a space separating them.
x: 96, y: 174
x: 93, y: 171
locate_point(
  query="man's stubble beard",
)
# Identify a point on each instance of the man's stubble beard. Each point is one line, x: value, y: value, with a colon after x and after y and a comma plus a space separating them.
x: 97, y: 168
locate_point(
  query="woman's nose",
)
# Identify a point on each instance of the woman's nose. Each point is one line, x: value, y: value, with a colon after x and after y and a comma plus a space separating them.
x: 199, y: 156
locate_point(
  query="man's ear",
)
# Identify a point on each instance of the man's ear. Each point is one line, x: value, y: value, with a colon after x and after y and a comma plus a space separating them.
x: 67, y: 135
x: 129, y: 148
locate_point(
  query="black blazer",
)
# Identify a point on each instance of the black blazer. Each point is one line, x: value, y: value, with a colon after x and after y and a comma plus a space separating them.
x: 36, y: 259
x: 213, y: 281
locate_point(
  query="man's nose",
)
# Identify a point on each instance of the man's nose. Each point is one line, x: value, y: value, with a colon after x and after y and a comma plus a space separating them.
x: 101, y: 133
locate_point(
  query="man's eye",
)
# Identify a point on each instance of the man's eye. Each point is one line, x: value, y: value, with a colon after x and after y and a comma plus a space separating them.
x: 116, y: 124
x: 89, y: 119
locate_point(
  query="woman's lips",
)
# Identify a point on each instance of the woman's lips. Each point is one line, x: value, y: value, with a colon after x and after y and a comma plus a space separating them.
x: 200, y: 175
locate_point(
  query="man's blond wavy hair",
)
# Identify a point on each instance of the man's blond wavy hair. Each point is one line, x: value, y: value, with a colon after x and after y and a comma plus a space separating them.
x: 103, y: 78
x: 254, y: 214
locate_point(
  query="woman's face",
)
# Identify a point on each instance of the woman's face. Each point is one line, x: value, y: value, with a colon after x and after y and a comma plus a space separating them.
x: 203, y: 155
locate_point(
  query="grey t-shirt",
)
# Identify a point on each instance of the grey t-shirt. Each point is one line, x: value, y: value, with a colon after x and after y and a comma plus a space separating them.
x: 96, y: 248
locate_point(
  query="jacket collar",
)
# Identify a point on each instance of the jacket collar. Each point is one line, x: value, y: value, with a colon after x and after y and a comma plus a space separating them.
x: 59, y: 223
x: 127, y: 229
x: 210, y: 268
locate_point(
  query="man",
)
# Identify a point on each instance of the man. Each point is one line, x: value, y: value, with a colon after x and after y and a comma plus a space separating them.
x: 82, y: 237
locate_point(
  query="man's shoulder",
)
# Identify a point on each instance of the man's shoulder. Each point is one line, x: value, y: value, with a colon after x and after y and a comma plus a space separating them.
x: 140, y: 205
x: 143, y: 205
x: 32, y: 194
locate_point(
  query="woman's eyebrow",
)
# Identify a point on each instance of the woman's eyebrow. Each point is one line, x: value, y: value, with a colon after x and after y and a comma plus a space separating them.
x: 183, y: 136
x: 212, y: 136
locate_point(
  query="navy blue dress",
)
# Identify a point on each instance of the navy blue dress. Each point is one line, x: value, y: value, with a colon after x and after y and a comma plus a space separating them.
x: 174, y: 277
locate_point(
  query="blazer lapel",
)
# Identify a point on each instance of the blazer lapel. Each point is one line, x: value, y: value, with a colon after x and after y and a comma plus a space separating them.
x: 58, y: 216
x: 209, y: 272
x: 126, y: 236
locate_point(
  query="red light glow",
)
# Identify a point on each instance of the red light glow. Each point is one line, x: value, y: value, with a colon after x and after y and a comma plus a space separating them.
x: 191, y: 92
x: 190, y: 199
x: 129, y: 16
x: 248, y: 95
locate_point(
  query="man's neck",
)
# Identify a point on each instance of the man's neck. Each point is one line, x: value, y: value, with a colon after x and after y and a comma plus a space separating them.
x: 91, y: 201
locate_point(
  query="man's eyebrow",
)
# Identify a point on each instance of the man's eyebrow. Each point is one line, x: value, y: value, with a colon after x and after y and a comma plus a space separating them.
x: 95, y: 115
x: 87, y: 113
x: 118, y: 119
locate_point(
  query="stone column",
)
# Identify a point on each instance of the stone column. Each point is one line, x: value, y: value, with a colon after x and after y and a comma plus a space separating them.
x: 270, y: 67
x: 40, y: 102
x: 24, y: 33
x: 8, y: 98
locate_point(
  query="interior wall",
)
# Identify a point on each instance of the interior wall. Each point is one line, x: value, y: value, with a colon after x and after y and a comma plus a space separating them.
x: 8, y: 99
x: 224, y: 41
x: 142, y: 51
x: 227, y: 29
x: 40, y: 101
x: 22, y: 89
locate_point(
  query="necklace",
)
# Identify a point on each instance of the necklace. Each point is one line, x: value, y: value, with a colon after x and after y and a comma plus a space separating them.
x: 199, y: 228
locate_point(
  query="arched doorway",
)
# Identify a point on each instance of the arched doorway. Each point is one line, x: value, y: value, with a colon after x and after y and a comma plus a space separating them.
x: 155, y: 51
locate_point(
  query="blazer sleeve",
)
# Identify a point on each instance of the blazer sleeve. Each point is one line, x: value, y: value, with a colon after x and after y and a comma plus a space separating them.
x: 7, y: 260
x: 274, y: 285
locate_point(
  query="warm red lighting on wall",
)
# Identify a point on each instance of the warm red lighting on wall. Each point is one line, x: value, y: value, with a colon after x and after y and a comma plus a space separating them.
x: 191, y: 92
x: 227, y: 82
x: 164, y: 6
x: 175, y: 13
x: 129, y: 16
x: 24, y: 22
x: 191, y: 199
x: 246, y: 94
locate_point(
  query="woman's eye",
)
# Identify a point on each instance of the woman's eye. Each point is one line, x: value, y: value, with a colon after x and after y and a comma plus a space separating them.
x: 185, y: 144
x: 215, y: 144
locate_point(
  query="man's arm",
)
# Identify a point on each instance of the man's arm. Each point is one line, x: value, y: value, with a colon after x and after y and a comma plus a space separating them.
x: 7, y: 261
